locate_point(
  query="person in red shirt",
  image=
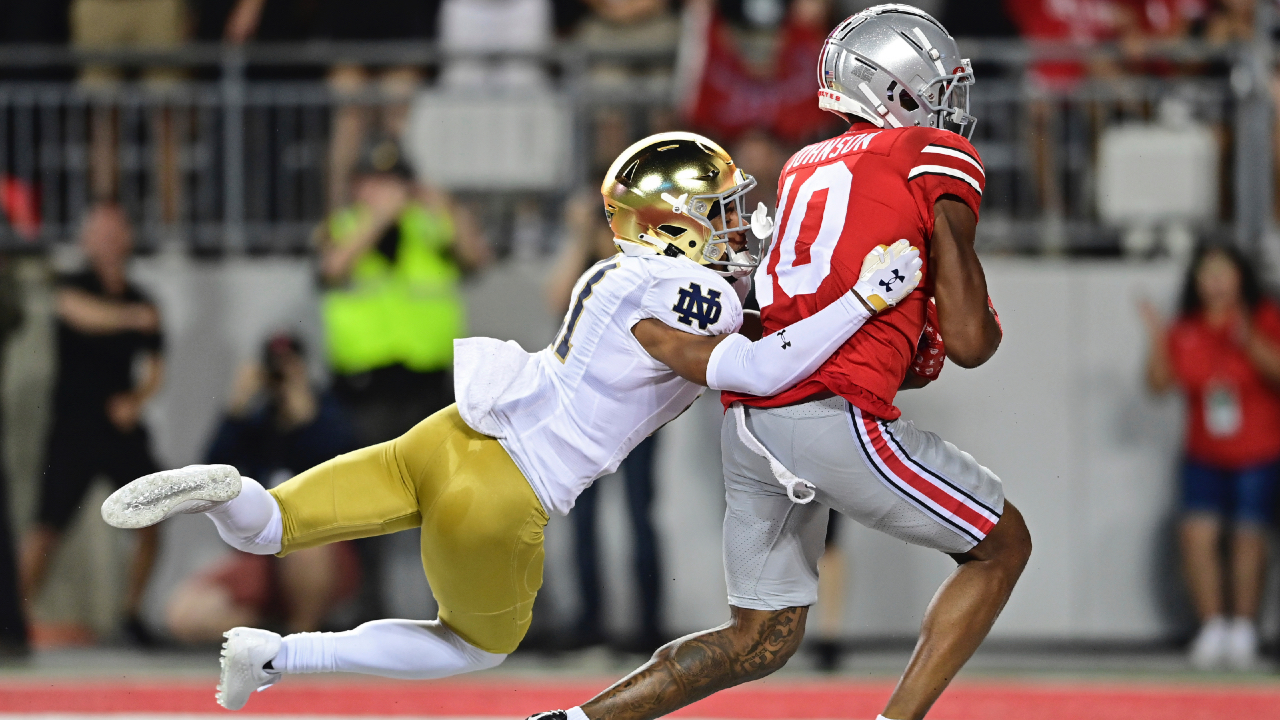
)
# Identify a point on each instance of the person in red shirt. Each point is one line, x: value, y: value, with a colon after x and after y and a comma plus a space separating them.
x: 1223, y: 353
x: 727, y: 97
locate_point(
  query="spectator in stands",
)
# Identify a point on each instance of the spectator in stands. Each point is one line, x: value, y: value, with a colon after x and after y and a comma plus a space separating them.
x: 277, y: 425
x: 137, y: 25
x: 109, y: 366
x: 629, y: 25
x: 392, y: 262
x: 728, y: 90
x: 590, y: 240
x: 495, y: 26
x: 356, y: 117
x: 1083, y: 23
x: 1223, y: 353
x: 1145, y: 24
x: 13, y: 622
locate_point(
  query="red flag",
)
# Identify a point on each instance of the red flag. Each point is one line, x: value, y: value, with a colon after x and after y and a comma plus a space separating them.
x: 18, y: 201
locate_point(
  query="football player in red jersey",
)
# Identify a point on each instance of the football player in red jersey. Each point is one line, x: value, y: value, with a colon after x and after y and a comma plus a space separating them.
x: 904, y: 170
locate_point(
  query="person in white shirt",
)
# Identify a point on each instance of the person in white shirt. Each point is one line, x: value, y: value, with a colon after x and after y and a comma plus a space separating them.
x: 647, y: 329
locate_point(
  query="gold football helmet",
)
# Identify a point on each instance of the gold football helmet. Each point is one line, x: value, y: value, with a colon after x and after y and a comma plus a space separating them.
x: 678, y: 193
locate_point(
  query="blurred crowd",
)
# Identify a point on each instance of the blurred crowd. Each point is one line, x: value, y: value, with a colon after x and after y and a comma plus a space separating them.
x: 393, y: 249
x: 734, y: 69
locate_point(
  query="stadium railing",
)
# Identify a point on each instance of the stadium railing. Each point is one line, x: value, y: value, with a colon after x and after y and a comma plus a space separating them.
x: 231, y: 161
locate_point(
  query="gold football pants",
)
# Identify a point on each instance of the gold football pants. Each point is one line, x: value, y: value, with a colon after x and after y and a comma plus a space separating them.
x: 481, y: 523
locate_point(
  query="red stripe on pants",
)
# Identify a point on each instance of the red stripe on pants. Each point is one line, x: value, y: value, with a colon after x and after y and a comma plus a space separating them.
x: 921, y: 484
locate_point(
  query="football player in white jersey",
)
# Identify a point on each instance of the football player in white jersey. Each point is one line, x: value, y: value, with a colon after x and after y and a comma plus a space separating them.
x: 646, y: 330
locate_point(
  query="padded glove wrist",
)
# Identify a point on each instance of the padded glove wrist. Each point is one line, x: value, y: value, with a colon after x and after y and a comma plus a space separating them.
x: 889, y: 274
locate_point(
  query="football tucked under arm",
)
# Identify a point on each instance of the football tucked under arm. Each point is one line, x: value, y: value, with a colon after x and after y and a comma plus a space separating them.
x: 778, y: 361
x: 930, y: 350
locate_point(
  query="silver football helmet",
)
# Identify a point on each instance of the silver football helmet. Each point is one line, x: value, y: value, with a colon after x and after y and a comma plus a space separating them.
x: 895, y: 66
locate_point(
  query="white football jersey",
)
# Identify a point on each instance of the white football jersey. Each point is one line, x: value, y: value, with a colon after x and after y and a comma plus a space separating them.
x: 571, y: 412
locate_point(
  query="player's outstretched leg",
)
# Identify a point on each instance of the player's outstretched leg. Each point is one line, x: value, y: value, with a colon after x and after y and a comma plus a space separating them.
x: 483, y: 559
x: 961, y: 614
x: 255, y: 659
x: 246, y: 515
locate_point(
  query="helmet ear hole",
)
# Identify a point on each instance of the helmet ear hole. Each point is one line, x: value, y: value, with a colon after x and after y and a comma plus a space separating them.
x: 673, y: 231
x: 907, y: 102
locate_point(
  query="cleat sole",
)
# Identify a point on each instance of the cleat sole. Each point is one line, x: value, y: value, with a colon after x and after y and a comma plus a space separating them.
x: 152, y: 498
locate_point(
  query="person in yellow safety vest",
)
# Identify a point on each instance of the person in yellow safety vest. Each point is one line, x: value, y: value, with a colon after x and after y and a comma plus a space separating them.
x: 391, y: 263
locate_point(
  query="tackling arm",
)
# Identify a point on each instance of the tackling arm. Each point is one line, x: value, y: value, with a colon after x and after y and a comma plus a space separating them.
x: 965, y: 318
x: 776, y: 362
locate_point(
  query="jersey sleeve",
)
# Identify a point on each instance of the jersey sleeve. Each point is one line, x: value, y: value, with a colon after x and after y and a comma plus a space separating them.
x: 946, y: 165
x: 694, y: 300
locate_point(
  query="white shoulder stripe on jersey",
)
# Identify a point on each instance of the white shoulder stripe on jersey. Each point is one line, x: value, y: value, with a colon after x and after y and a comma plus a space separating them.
x: 919, y: 170
x: 952, y: 152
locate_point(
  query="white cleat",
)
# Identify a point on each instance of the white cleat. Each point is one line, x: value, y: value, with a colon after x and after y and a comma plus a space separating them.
x: 155, y: 497
x: 244, y: 654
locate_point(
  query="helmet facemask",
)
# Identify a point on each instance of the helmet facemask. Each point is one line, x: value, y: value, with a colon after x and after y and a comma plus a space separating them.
x: 725, y: 215
x: 952, y: 111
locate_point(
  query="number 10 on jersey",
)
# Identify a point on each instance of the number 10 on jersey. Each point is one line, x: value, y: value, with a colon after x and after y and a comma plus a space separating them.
x: 800, y: 259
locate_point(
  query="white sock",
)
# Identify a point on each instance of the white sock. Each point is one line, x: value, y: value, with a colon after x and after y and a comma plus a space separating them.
x: 402, y: 649
x: 251, y: 521
x: 575, y: 713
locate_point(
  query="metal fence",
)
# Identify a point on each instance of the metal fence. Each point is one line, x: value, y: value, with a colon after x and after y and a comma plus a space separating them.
x: 227, y: 161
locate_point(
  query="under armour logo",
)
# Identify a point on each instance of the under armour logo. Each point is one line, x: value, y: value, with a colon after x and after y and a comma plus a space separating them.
x: 782, y: 335
x: 888, y: 284
x: 693, y: 305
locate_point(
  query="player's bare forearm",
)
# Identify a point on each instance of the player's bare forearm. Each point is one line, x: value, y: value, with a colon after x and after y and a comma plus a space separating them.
x: 751, y: 645
x: 960, y: 287
x: 685, y: 353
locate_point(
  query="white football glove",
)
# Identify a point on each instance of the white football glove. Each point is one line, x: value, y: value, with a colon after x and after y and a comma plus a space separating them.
x: 889, y: 274
x: 761, y: 223
x: 744, y: 264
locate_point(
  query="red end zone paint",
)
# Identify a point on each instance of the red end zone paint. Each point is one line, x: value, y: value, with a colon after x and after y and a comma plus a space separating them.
x: 774, y: 700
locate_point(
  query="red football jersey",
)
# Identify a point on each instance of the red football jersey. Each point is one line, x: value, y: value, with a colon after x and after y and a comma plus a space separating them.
x: 837, y: 200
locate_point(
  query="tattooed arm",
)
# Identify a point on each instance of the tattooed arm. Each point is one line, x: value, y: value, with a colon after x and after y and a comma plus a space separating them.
x: 753, y: 644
